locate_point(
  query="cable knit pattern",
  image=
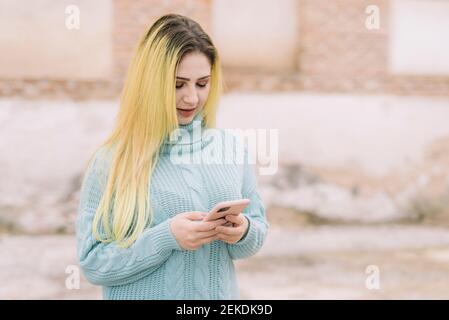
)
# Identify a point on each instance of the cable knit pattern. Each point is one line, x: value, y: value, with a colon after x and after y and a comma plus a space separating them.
x: 155, y: 266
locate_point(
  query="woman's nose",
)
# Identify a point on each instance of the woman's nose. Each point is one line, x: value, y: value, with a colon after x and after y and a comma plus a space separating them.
x: 191, y: 97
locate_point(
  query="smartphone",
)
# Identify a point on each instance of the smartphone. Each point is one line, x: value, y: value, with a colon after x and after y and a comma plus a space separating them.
x: 222, y: 209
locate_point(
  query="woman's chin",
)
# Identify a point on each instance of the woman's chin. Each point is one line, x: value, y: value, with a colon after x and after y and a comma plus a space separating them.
x: 185, y: 120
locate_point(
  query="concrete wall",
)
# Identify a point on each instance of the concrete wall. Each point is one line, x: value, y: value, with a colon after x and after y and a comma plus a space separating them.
x: 290, y: 45
x: 419, y: 37
x: 258, y: 34
x: 38, y: 42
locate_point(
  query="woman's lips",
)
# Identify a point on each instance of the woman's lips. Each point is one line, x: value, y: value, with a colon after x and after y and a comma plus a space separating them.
x: 186, y: 112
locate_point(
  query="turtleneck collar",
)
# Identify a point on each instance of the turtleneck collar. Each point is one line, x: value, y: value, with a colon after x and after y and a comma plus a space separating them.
x: 197, y: 123
x: 190, y: 134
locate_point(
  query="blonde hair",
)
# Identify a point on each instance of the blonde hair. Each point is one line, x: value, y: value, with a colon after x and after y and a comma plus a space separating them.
x: 146, y: 117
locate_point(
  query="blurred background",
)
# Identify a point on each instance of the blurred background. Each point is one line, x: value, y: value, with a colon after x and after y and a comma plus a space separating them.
x: 358, y: 91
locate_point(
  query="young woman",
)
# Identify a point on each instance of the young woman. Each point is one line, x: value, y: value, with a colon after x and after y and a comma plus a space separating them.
x: 140, y: 227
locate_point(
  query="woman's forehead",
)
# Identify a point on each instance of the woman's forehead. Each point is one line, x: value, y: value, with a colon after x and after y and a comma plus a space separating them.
x: 194, y: 66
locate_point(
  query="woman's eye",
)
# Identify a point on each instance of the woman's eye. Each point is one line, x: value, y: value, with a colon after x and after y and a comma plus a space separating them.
x: 201, y: 85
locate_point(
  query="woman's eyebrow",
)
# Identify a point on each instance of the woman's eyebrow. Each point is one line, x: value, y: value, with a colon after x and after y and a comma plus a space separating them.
x: 181, y: 78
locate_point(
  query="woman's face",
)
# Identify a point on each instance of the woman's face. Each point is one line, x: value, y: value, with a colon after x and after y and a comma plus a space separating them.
x: 192, y: 86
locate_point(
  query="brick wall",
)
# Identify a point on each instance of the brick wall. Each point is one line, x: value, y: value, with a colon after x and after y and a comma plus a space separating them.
x: 132, y: 18
x: 336, y: 53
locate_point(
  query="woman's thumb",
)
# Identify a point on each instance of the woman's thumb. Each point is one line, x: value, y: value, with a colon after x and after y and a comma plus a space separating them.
x: 196, y: 215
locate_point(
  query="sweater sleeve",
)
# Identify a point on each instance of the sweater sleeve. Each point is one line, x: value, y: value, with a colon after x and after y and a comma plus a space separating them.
x: 108, y: 264
x: 258, y: 226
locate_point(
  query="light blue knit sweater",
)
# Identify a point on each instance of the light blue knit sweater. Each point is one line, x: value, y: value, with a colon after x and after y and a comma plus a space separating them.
x: 155, y: 266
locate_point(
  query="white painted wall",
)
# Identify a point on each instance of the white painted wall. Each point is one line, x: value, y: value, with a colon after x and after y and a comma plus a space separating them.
x: 255, y: 33
x: 35, y: 43
x: 45, y: 145
x: 378, y: 134
x: 419, y: 37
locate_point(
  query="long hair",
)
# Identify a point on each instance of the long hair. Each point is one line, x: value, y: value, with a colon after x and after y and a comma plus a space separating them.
x: 146, y: 117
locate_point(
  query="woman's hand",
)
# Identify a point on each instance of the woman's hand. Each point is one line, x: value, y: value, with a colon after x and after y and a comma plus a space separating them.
x: 191, y: 232
x: 234, y: 233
